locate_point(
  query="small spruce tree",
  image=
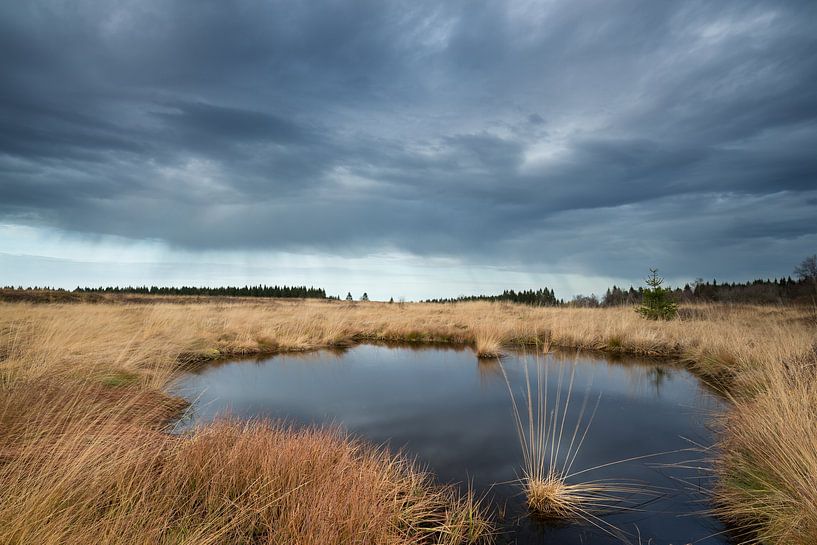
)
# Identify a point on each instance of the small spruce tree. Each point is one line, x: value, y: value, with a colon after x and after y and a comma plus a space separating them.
x: 657, y: 302
x: 349, y: 296
x: 364, y: 297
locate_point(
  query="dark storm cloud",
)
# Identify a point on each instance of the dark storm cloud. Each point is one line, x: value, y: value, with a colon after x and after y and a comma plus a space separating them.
x: 200, y: 120
x: 596, y: 137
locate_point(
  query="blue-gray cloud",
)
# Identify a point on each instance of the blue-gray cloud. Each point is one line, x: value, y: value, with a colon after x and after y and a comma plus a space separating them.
x: 593, y: 136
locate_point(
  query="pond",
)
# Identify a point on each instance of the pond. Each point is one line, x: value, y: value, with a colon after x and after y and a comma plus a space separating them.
x: 454, y: 414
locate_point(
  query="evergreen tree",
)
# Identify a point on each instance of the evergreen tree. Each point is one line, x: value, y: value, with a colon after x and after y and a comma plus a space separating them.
x: 657, y: 302
x: 364, y: 297
x: 349, y: 296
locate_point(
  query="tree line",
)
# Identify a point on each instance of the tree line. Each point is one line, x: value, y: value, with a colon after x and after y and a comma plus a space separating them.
x: 760, y: 291
x: 260, y: 290
x: 802, y: 290
x: 543, y: 297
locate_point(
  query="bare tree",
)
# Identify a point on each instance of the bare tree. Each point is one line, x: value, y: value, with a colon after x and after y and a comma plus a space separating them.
x: 807, y: 269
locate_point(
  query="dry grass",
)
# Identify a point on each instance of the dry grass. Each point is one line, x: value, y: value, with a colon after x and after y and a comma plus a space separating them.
x: 767, y: 466
x: 488, y: 342
x: 760, y: 355
x: 719, y: 340
x: 85, y: 456
x: 106, y: 482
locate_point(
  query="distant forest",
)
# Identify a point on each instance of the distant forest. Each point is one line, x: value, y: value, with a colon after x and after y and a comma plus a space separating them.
x: 540, y: 298
x: 230, y: 291
x: 775, y: 291
x: 782, y: 290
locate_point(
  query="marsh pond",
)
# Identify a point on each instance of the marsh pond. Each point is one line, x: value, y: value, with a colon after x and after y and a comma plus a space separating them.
x: 641, y: 423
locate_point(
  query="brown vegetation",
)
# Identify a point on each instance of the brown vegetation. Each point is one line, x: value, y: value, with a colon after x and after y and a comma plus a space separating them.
x: 85, y: 456
x: 767, y: 464
x: 108, y: 365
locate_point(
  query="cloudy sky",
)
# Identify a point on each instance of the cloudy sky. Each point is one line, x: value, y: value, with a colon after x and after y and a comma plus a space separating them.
x: 412, y: 149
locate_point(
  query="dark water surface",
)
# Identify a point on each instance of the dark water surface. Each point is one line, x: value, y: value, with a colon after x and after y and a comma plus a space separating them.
x: 454, y: 414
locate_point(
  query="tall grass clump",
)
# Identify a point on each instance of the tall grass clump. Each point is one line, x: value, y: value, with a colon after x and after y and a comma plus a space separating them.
x: 227, y: 483
x: 488, y: 342
x: 549, y: 450
x: 767, y: 463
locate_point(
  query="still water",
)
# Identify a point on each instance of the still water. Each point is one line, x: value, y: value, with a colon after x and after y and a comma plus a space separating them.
x: 453, y: 413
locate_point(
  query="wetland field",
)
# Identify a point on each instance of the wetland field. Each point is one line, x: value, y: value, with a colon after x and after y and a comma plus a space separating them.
x: 182, y: 421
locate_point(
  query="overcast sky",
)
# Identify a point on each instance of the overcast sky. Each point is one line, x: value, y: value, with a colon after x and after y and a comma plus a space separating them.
x: 413, y: 149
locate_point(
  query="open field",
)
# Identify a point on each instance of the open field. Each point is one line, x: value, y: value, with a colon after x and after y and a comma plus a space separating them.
x: 84, y: 458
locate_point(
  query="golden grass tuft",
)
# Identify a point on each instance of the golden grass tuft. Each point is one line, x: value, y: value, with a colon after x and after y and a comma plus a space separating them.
x: 553, y: 498
x: 488, y: 342
x: 550, y: 449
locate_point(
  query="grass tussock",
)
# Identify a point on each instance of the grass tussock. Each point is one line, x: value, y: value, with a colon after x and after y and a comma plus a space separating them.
x: 758, y: 354
x: 550, y: 447
x: 767, y: 464
x: 488, y: 342
x: 227, y: 483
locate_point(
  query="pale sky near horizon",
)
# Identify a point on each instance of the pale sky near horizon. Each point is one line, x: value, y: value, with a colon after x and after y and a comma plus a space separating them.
x: 407, y: 149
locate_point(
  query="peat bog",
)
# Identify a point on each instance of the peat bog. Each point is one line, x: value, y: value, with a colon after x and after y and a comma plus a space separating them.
x: 452, y: 412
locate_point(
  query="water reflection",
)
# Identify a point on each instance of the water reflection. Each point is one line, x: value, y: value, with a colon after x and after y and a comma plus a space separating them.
x: 453, y: 412
x: 490, y: 371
